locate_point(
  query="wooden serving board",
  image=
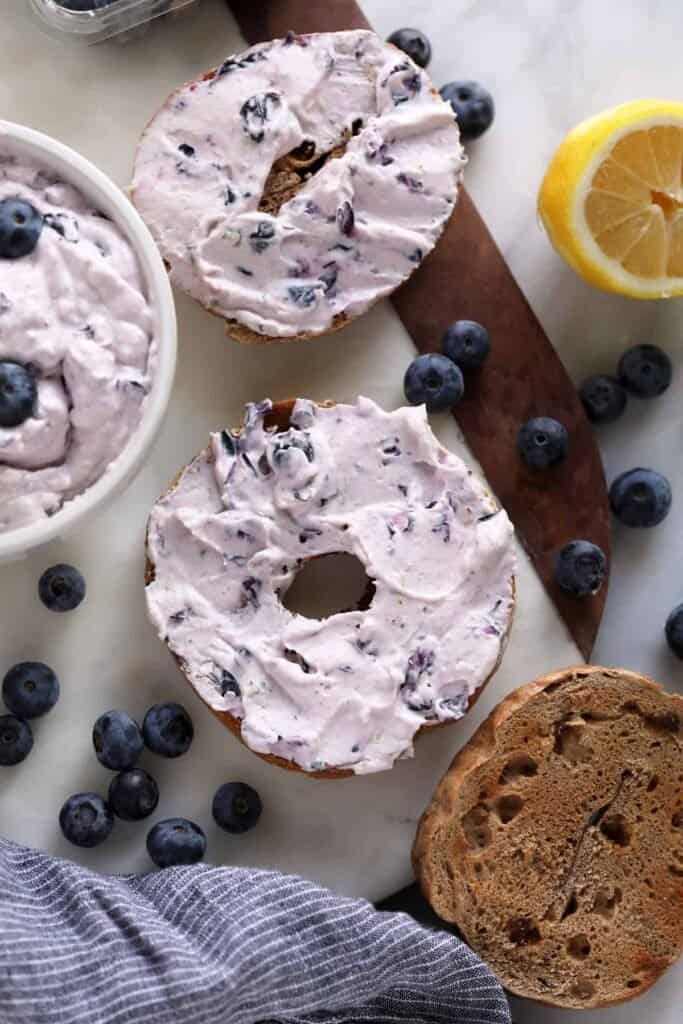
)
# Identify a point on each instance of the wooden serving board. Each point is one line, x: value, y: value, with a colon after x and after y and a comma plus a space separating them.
x: 466, y: 277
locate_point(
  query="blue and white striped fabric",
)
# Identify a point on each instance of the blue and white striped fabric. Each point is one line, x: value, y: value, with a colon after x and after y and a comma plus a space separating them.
x: 206, y: 945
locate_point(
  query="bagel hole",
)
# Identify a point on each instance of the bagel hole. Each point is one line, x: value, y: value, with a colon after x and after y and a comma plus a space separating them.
x: 290, y: 172
x: 328, y: 585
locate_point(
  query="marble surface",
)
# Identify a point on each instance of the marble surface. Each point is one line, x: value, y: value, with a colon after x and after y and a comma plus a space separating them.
x: 548, y: 63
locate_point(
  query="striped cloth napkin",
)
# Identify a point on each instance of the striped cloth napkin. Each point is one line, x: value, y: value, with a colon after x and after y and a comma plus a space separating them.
x: 203, y: 945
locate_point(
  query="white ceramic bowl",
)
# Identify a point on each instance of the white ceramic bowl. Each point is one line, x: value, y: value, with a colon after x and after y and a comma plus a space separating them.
x: 108, y: 197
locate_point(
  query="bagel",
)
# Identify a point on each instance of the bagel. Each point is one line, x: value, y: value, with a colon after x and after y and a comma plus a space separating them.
x: 348, y: 694
x: 555, y: 840
x: 302, y: 180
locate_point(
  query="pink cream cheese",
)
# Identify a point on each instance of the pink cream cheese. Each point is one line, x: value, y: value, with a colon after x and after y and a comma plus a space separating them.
x: 357, y: 227
x: 75, y: 312
x: 350, y: 691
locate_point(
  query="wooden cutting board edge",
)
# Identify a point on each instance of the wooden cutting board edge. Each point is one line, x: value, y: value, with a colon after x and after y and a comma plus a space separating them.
x: 466, y: 277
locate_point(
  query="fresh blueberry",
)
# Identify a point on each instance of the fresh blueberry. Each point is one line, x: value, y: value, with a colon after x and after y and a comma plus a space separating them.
x: 61, y: 588
x: 472, y: 105
x: 236, y: 807
x: 414, y: 43
x: 168, y: 730
x: 117, y: 740
x: 20, y: 228
x: 674, y: 631
x: 467, y: 343
x: 133, y: 795
x: 434, y: 380
x: 645, y: 371
x: 543, y: 442
x: 603, y: 397
x: 581, y: 568
x: 18, y: 394
x: 176, y: 841
x: 640, y: 497
x: 16, y: 740
x: 30, y: 689
x: 86, y: 820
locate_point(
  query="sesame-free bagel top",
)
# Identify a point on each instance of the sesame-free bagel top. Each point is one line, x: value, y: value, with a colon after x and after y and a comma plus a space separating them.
x: 350, y: 691
x: 359, y: 223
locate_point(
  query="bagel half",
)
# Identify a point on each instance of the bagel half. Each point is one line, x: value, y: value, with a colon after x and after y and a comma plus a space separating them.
x: 555, y: 840
x: 279, y: 418
x: 405, y: 195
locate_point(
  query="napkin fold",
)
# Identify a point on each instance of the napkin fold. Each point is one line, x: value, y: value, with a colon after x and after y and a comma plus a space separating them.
x: 203, y: 945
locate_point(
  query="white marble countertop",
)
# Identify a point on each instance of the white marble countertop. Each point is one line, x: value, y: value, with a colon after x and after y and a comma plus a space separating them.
x: 548, y: 63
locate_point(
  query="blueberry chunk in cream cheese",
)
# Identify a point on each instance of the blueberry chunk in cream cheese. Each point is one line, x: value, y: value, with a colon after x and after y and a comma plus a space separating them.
x: 375, y: 162
x: 351, y: 690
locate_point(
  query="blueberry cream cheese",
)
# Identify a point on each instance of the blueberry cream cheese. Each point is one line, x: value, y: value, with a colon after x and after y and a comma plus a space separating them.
x: 295, y: 185
x: 77, y: 342
x: 350, y: 691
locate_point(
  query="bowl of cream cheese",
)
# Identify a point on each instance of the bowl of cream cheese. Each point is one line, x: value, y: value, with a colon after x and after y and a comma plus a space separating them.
x: 87, y: 339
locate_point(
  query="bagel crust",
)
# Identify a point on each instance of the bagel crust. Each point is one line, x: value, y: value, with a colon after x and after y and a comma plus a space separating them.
x: 555, y: 840
x: 416, y: 676
x: 295, y: 185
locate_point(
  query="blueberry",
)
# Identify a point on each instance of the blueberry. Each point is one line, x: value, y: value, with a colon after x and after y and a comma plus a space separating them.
x: 674, y: 631
x: 61, y: 588
x: 16, y: 740
x: 543, y: 442
x: 168, y: 730
x: 176, y: 841
x: 30, y: 689
x: 581, y: 568
x: 133, y: 795
x: 117, y: 740
x: 467, y: 343
x: 236, y: 807
x: 640, y: 497
x: 434, y: 380
x: 86, y: 820
x: 414, y: 43
x: 472, y: 105
x: 603, y: 397
x: 20, y: 228
x: 18, y: 394
x: 645, y: 371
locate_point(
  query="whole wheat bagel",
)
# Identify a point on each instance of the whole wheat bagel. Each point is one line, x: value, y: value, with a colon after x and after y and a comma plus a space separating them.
x: 555, y: 840
x: 279, y: 418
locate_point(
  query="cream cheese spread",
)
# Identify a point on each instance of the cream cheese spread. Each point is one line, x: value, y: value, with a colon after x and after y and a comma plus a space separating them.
x: 357, y: 226
x: 75, y: 313
x: 350, y: 691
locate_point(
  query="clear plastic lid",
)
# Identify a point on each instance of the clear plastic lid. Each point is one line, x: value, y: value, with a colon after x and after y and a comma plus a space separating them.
x: 91, y: 21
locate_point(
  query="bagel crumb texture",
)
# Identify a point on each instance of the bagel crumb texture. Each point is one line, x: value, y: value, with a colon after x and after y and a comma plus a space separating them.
x: 555, y: 840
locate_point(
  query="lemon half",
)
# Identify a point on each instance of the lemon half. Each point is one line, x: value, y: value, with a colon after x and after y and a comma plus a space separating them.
x: 612, y: 199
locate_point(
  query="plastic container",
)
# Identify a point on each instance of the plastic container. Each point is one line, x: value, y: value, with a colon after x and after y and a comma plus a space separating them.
x: 74, y: 168
x: 92, y: 21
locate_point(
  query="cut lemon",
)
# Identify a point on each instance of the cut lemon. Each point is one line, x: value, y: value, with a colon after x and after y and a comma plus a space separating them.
x: 612, y: 199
